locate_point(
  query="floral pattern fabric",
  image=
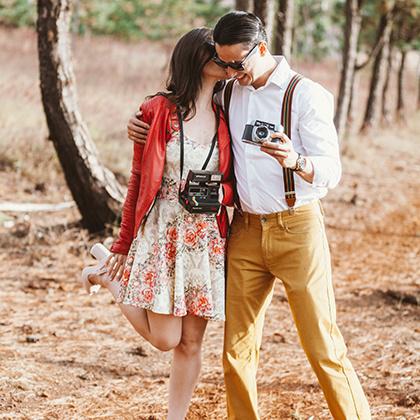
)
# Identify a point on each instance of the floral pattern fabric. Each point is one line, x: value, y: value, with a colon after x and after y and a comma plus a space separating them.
x: 176, y: 264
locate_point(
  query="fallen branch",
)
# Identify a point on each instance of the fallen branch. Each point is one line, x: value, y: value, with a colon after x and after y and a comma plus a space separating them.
x: 33, y: 207
x: 403, y: 297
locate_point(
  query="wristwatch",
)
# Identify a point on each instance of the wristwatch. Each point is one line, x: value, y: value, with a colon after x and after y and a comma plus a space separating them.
x: 300, y: 164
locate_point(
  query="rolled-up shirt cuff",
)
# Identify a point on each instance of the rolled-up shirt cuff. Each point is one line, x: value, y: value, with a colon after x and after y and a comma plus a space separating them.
x: 327, y: 172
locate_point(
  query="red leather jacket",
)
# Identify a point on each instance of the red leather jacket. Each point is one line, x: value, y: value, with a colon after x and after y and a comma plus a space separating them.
x: 147, y: 171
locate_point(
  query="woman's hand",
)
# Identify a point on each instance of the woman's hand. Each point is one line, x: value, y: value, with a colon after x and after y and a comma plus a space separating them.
x: 115, y: 266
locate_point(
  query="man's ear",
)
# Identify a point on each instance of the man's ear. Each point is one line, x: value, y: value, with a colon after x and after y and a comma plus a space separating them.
x: 262, y: 48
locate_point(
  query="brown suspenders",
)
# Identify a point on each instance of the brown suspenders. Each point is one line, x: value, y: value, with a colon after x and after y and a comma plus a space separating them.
x: 286, y: 121
x: 226, y: 101
x: 226, y: 105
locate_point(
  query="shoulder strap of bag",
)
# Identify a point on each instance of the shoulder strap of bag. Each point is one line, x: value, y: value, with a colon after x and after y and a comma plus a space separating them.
x: 286, y: 121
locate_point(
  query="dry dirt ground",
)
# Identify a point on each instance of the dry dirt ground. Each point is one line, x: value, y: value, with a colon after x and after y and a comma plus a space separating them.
x: 65, y: 355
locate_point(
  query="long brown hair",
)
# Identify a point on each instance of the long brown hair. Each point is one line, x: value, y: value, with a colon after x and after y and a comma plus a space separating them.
x: 191, y: 53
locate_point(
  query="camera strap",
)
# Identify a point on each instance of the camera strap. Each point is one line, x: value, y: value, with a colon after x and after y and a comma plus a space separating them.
x: 286, y: 121
x: 181, y: 140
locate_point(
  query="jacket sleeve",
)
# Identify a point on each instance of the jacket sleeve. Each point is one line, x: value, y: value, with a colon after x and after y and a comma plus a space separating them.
x: 228, y: 183
x: 228, y: 188
x: 126, y: 234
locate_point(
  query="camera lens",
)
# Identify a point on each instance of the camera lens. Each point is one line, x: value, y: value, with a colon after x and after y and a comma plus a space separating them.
x: 261, y: 133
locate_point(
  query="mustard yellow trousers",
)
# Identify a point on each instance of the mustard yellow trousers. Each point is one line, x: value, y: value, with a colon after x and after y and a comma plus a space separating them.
x: 294, y: 249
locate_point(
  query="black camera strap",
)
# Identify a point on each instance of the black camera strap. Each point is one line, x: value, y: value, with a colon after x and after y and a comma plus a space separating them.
x: 181, y: 140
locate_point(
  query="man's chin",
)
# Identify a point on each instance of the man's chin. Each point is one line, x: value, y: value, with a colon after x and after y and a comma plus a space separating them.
x: 244, y: 80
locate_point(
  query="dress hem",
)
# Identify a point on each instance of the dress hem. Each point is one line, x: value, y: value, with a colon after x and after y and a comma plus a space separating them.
x: 208, y: 318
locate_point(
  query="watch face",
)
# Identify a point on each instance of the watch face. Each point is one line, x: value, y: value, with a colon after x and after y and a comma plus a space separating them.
x: 301, y: 163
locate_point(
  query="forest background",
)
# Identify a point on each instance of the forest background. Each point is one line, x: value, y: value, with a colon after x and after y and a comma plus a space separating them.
x: 67, y: 355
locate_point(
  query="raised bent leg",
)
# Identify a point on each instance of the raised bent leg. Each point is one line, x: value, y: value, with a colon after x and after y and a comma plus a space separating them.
x: 248, y: 294
x: 160, y: 330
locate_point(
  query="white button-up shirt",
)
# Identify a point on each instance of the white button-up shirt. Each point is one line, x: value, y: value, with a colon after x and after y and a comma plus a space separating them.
x: 259, y: 176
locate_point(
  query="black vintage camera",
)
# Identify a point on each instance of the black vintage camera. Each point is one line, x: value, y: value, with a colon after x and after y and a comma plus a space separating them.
x: 260, y: 131
x: 201, y: 192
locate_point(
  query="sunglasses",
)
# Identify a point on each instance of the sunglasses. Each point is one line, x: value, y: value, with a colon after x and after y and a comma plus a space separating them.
x: 235, y: 65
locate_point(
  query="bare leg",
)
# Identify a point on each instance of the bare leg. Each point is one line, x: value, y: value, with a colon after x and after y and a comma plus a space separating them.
x: 186, y: 365
x: 161, y: 331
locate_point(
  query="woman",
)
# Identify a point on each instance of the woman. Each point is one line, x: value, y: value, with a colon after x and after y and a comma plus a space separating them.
x: 172, y: 281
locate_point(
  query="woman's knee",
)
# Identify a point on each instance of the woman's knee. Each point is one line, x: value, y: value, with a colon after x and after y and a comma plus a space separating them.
x: 190, y: 346
x: 165, y: 331
x: 164, y: 342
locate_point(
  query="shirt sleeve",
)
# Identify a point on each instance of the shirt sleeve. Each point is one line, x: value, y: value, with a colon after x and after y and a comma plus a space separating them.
x: 318, y: 134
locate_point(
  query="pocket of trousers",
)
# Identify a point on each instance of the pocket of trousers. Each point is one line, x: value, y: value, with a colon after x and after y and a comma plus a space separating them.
x: 301, y: 224
x: 236, y: 227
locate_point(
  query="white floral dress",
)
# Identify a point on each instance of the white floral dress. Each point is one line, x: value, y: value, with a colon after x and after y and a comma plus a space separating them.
x: 176, y: 264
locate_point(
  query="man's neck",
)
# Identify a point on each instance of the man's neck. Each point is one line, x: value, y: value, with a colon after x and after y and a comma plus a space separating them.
x: 269, y: 66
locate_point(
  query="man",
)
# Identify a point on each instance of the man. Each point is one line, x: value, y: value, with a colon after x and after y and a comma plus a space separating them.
x: 271, y: 236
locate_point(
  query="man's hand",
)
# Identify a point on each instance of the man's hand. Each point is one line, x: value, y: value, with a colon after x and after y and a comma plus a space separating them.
x: 137, y: 129
x: 281, y: 149
x: 115, y: 266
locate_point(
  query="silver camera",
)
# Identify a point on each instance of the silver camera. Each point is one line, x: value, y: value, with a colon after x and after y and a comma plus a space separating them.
x: 259, y: 131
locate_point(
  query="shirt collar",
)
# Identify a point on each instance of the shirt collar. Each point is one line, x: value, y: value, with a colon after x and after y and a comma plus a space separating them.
x: 280, y: 75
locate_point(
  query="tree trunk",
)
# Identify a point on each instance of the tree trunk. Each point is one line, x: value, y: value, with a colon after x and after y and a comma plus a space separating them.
x: 400, y: 100
x: 261, y: 10
x: 418, y: 90
x: 244, y: 5
x: 283, y: 28
x: 95, y: 190
x: 264, y: 9
x: 351, y: 37
x: 350, y: 110
x: 378, y: 72
x: 386, y: 111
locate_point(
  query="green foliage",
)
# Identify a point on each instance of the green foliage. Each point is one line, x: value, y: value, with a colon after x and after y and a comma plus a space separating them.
x: 130, y: 19
x: 371, y: 15
x: 318, y: 27
x: 18, y: 12
x: 407, y: 25
x: 314, y: 26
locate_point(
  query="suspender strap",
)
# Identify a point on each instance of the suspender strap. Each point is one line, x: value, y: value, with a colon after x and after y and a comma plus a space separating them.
x: 226, y: 98
x: 181, y: 140
x: 227, y: 94
x: 286, y: 121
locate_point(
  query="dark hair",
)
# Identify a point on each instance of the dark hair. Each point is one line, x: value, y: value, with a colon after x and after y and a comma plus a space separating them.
x: 191, y: 53
x: 239, y: 27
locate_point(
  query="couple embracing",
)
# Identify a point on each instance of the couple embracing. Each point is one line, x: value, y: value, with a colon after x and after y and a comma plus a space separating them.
x: 234, y: 110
